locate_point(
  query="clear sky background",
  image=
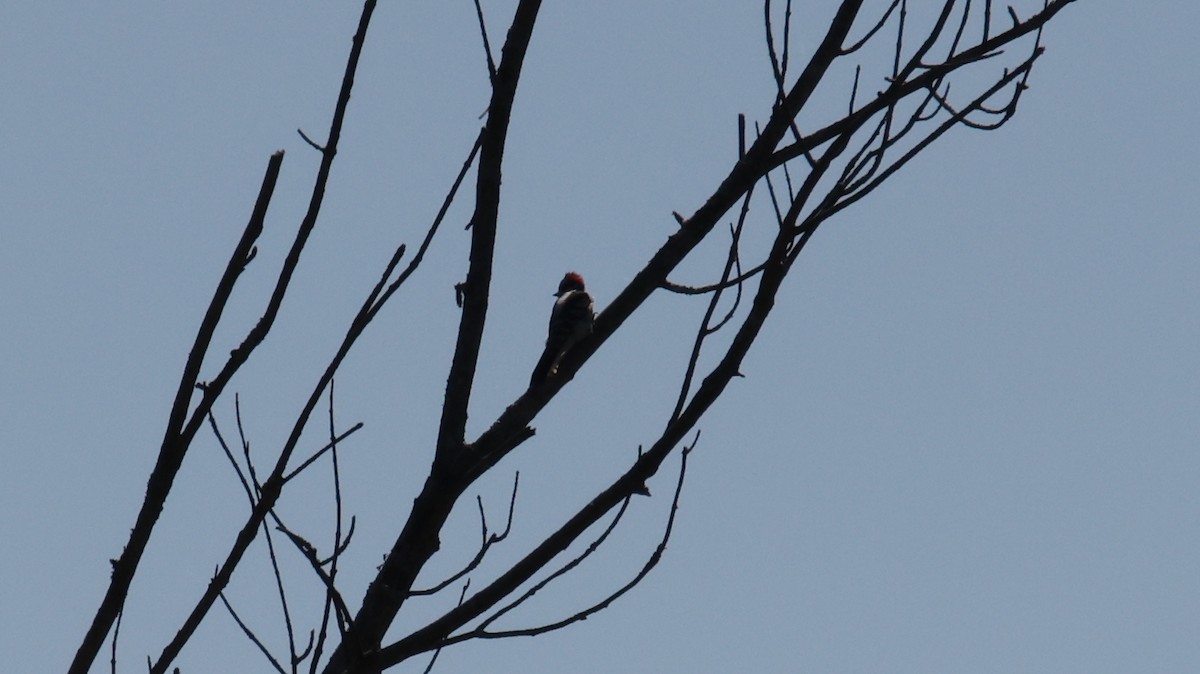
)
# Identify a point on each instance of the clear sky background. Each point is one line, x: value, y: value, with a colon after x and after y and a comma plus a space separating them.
x: 966, y: 442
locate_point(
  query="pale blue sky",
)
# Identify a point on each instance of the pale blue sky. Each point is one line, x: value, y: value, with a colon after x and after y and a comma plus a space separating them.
x: 966, y: 442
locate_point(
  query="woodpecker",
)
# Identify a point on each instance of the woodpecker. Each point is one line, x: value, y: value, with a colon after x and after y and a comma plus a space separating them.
x: 570, y: 321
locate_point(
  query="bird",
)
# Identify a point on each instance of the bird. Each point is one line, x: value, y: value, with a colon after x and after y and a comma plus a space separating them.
x: 570, y: 321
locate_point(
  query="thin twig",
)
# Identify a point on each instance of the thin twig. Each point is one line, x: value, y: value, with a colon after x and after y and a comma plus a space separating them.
x: 253, y: 476
x: 487, y: 542
x: 212, y: 420
x: 320, y: 452
x: 655, y: 558
x: 323, y: 630
x: 461, y: 595
x: 116, y: 633
x: 287, y: 617
x: 1022, y: 72
x: 855, y: 46
x: 487, y: 47
x: 776, y: 67
x: 310, y: 554
x: 429, y: 234
x: 281, y: 591
x: 251, y: 635
x: 898, y: 90
x: 713, y: 287
x: 312, y: 143
x: 736, y: 235
x: 561, y: 571
x: 704, y: 330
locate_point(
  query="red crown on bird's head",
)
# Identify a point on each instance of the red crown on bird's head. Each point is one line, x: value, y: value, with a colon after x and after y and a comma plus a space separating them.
x: 572, y: 281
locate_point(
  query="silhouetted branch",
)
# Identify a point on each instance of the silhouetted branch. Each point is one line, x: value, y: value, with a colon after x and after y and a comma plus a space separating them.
x: 855, y: 46
x: 706, y: 328
x: 483, y: 233
x: 488, y: 539
x: 433, y: 229
x: 795, y: 232
x: 915, y: 61
x: 438, y: 651
x: 560, y: 572
x: 779, y: 62
x: 262, y: 648
x: 812, y: 162
x: 741, y: 146
x: 332, y: 596
x: 777, y: 69
x: 417, y: 541
x: 1022, y: 71
x: 932, y: 74
x: 487, y: 47
x: 116, y: 633
x: 178, y: 437
x: 345, y: 622
x: 250, y: 495
x: 274, y: 484
x: 339, y: 544
x: 900, y: 23
x: 586, y: 613
x: 237, y: 415
x: 245, y: 482
x: 713, y: 287
x: 962, y: 29
x: 311, y: 143
x: 321, y: 452
x: 438, y: 632
x: 281, y: 590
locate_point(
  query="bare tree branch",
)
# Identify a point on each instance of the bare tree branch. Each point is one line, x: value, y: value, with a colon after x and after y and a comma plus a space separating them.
x: 345, y: 623
x: 584, y: 614
x: 855, y: 46
x: 706, y: 329
x: 923, y: 81
x: 333, y: 598
x: 483, y: 233
x: 245, y: 482
x: 433, y: 229
x: 331, y: 445
x: 271, y: 490
x: 177, y: 437
x: 560, y: 572
x: 281, y: 591
x: 487, y: 47
x: 437, y: 633
x: 116, y: 633
x: 438, y: 650
x: 488, y: 540
x: 713, y: 287
x: 252, y: 636
x: 418, y: 540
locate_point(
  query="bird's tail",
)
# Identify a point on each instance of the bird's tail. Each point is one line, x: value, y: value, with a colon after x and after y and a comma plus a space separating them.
x: 541, y: 371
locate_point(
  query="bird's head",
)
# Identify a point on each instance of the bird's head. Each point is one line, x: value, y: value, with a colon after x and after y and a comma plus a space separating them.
x: 571, y: 281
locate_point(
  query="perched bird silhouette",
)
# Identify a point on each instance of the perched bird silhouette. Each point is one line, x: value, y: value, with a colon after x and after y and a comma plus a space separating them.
x: 570, y: 320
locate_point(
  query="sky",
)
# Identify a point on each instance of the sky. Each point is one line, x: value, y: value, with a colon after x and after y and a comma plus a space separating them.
x: 966, y: 440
